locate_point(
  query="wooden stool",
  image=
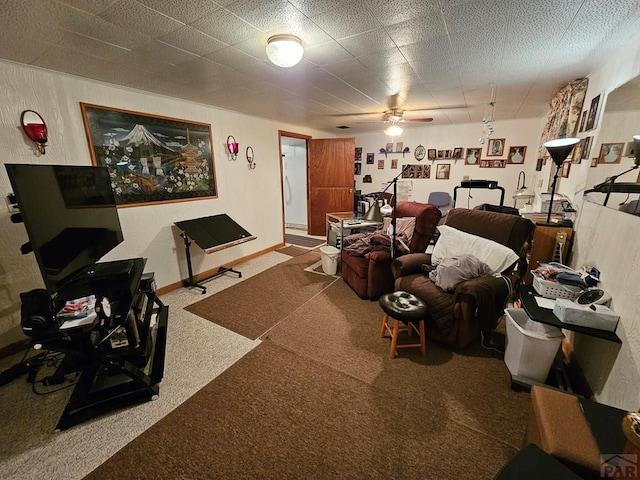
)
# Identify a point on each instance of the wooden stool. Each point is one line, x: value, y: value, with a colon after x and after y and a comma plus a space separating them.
x: 408, y: 309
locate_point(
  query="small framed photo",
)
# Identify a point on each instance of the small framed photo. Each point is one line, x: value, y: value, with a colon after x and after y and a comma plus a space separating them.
x: 447, y: 154
x: 394, y: 163
x: 539, y: 164
x: 440, y: 153
x: 457, y: 153
x: 485, y: 163
x: 358, y: 154
x: 381, y: 164
x: 370, y: 158
x: 495, y: 148
x: 431, y: 154
x: 389, y: 147
x: 592, y: 116
x: 566, y: 167
x: 426, y: 171
x: 594, y: 162
x: 498, y: 163
x: 576, y: 155
x: 583, y: 119
x: 630, y: 149
x: 399, y: 146
x: 442, y: 171
x: 610, y: 152
x: 517, y: 154
x: 472, y: 156
x: 586, y: 148
x: 358, y: 169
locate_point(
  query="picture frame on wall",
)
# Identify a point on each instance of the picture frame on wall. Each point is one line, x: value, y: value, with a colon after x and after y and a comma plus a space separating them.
x: 610, y: 153
x: 495, y: 147
x: 399, y: 146
x: 594, y: 162
x: 389, y: 147
x: 517, y: 154
x: 586, y: 148
x: 566, y: 168
x: 358, y: 154
x: 151, y: 159
x: 394, y: 163
x: 381, y: 164
x: 431, y: 154
x: 485, y: 163
x: 583, y: 119
x: 498, y: 163
x: 457, y: 153
x: 539, y: 164
x: 472, y: 156
x: 370, y: 158
x: 358, y: 168
x: 442, y: 171
x: 592, y: 118
x: 576, y: 154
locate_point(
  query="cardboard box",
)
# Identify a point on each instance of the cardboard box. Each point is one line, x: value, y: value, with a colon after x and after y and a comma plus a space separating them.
x: 595, y: 316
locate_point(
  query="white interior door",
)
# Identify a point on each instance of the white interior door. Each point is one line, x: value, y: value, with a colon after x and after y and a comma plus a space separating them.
x: 294, y: 182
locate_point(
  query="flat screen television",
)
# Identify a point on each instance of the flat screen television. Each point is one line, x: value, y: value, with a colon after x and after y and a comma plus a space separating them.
x: 70, y: 216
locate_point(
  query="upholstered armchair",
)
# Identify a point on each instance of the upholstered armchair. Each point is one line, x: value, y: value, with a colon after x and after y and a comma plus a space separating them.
x: 458, y: 317
x: 369, y: 275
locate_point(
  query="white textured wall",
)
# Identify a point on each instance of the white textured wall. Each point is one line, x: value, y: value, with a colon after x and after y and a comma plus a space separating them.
x: 250, y: 197
x: 516, y: 132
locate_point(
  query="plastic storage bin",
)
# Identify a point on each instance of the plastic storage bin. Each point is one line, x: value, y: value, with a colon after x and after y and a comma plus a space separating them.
x: 531, y: 346
x: 329, y: 256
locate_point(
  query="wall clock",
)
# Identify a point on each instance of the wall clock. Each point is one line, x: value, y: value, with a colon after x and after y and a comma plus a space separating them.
x: 419, y: 152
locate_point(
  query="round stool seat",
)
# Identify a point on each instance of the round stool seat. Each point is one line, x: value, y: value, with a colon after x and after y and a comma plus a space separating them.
x: 403, y: 306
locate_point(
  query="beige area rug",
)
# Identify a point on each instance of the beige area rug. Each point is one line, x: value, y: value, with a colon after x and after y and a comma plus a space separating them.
x: 255, y: 305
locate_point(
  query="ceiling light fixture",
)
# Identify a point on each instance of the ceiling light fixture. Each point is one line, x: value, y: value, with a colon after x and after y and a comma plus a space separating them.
x: 284, y: 50
x: 394, y: 130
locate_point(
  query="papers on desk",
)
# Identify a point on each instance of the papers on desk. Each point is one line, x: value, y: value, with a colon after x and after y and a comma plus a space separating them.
x: 548, y: 303
x: 78, y: 312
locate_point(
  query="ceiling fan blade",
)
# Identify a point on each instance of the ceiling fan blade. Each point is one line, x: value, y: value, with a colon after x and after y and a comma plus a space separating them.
x: 417, y: 120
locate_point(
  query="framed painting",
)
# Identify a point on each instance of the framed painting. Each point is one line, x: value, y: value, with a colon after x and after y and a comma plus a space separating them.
x: 370, y: 159
x: 592, y: 118
x: 498, y: 163
x: 517, y: 154
x: 586, y: 148
x: 495, y: 147
x: 431, y: 154
x: 610, y: 153
x: 566, y: 168
x: 381, y: 164
x: 457, y: 153
x: 358, y: 168
x: 594, y: 162
x: 485, y: 164
x: 151, y: 159
x: 358, y: 154
x: 442, y: 171
x: 539, y: 164
x: 394, y: 163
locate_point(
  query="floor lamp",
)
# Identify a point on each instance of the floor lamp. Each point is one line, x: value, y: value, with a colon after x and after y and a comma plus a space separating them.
x: 394, y: 202
x: 559, y: 149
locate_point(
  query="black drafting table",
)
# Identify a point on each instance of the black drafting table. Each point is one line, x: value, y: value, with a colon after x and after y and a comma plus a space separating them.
x: 212, y: 234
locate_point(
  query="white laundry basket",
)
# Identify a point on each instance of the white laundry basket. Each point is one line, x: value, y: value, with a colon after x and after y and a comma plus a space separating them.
x: 329, y: 256
x: 531, y: 346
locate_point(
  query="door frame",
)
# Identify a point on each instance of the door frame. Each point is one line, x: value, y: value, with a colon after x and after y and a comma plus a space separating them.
x: 285, y: 133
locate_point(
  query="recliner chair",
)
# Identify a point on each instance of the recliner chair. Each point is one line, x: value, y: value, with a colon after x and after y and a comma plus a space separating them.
x: 370, y: 275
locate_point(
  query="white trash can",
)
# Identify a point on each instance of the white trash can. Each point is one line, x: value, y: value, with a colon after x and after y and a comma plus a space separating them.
x: 530, y: 346
x: 329, y: 256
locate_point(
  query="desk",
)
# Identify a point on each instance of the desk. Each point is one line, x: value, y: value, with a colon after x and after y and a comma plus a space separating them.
x: 346, y: 223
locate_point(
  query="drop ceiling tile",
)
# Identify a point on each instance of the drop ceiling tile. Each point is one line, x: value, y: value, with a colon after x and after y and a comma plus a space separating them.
x: 90, y: 46
x: 234, y: 58
x: 326, y: 53
x: 192, y: 40
x: 267, y: 15
x: 397, y: 11
x: 21, y: 49
x: 117, y: 74
x: 381, y: 61
x: 139, y: 61
x: 369, y: 42
x: 64, y: 60
x: 346, y: 67
x: 162, y: 52
x: 139, y: 18
x: 90, y: 6
x: 311, y: 8
x: 352, y: 18
x: 417, y: 29
x: 226, y: 27
x: 185, y: 11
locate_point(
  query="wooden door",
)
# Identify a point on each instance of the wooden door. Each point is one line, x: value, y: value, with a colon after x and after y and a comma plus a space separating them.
x: 545, y: 247
x: 330, y: 180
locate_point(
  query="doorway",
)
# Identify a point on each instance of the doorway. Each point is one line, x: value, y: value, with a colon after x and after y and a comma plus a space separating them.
x: 293, y: 154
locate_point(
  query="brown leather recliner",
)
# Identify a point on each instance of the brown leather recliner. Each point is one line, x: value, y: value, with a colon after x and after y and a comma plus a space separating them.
x: 370, y: 275
x: 457, y: 318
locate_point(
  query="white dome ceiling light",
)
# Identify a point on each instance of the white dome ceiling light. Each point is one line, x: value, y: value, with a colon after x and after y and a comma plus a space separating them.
x: 284, y: 50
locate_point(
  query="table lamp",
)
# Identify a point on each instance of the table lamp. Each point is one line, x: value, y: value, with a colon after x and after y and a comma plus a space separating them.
x: 559, y: 149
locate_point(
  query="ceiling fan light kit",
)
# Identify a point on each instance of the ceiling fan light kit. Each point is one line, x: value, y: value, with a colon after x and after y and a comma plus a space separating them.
x: 284, y: 50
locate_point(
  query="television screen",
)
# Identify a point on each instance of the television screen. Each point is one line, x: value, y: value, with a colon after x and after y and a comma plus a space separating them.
x: 70, y: 216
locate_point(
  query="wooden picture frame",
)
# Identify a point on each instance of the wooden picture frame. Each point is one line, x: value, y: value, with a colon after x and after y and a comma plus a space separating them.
x: 594, y: 162
x: 517, y: 154
x: 457, y: 153
x: 592, y: 118
x: 586, y: 148
x: 472, y: 156
x: 394, y: 163
x: 431, y: 154
x: 495, y: 147
x: 485, y: 163
x: 370, y: 158
x: 576, y: 154
x: 583, y: 119
x: 389, y: 147
x: 358, y: 168
x: 152, y: 159
x: 539, y: 164
x: 358, y: 157
x: 566, y: 168
x: 611, y: 153
x: 498, y: 163
x: 443, y: 170
x: 381, y: 164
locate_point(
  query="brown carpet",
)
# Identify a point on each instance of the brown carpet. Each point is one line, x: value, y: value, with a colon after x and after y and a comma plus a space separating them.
x: 293, y: 251
x: 321, y: 399
x: 277, y: 415
x: 256, y: 304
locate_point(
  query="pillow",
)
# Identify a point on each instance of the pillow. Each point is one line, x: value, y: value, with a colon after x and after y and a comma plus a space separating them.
x: 453, y: 243
x: 405, y: 225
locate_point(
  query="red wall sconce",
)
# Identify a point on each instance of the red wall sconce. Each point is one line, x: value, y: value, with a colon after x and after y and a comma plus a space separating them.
x: 35, y: 128
x: 233, y: 146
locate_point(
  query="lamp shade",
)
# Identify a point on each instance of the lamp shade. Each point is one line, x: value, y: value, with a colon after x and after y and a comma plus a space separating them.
x: 560, y: 148
x: 393, y: 131
x: 373, y: 214
x: 284, y: 50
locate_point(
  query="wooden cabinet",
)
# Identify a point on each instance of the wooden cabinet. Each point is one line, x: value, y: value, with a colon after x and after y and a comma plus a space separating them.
x: 550, y: 243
